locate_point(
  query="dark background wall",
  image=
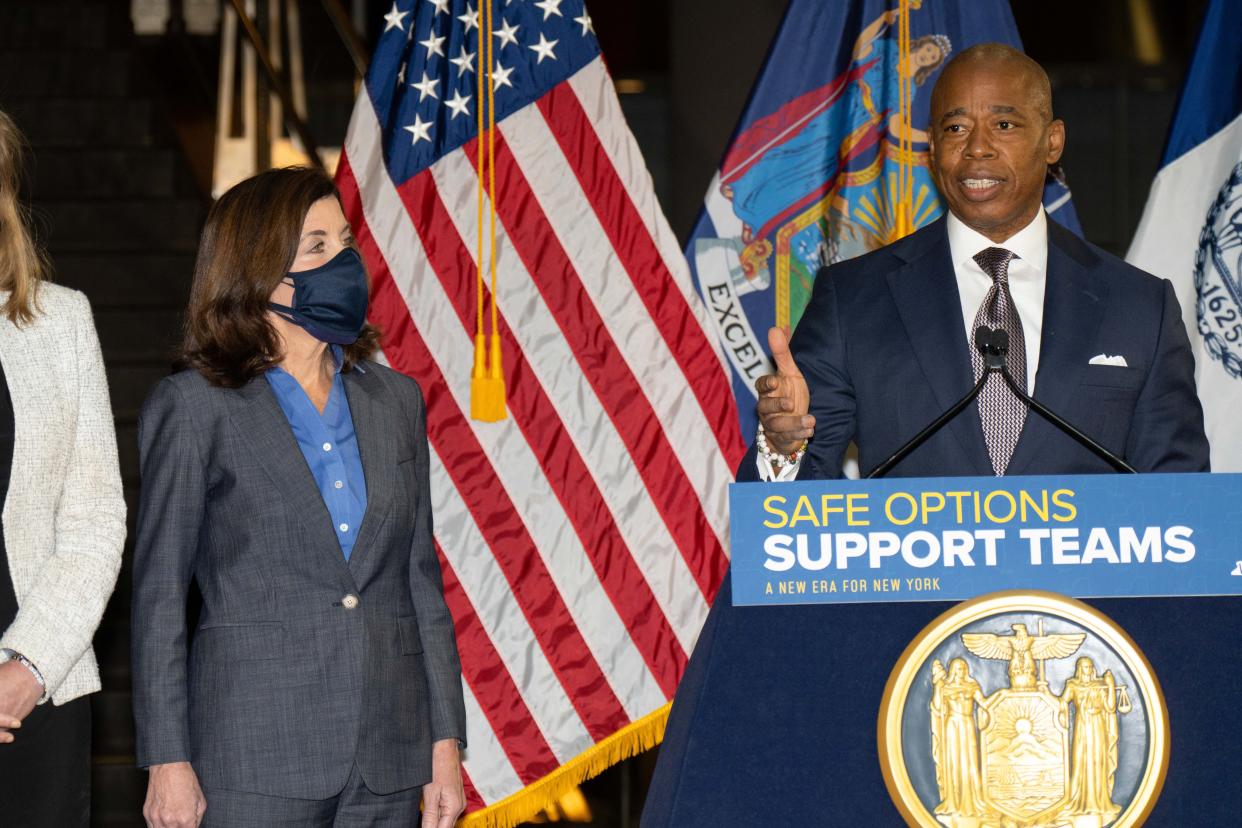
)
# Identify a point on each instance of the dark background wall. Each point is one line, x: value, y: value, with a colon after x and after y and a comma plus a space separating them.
x: 122, y: 130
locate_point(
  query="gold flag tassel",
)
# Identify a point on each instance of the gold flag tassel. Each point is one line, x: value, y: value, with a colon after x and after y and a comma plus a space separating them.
x: 905, y: 149
x: 487, y: 379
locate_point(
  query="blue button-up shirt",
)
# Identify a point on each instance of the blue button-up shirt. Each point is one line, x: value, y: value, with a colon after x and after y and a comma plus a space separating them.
x: 330, y: 446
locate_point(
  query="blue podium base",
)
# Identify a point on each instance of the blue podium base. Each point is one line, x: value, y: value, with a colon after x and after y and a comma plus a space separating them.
x: 774, y: 723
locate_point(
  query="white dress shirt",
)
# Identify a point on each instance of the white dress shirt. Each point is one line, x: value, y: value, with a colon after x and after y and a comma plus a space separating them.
x: 1027, y: 277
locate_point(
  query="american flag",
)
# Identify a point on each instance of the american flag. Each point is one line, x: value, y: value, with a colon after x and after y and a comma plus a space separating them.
x: 582, y: 538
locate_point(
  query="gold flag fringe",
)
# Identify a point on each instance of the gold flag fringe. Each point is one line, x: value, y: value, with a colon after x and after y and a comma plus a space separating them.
x: 516, y: 808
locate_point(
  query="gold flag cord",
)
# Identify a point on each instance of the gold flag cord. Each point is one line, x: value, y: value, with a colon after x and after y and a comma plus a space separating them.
x: 905, y: 156
x: 487, y: 381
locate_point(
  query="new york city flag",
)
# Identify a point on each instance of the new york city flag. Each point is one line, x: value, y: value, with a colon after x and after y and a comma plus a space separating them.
x: 1191, y: 231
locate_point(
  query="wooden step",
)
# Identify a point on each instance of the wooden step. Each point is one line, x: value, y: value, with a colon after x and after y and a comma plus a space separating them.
x: 131, y: 335
x: 127, y: 449
x: 131, y: 515
x: 117, y: 791
x: 130, y: 382
x: 83, y: 122
x: 112, y: 723
x: 53, y: 25
x: 76, y: 173
x: 167, y: 225
x: 112, y: 644
x: 44, y: 73
x: 127, y: 279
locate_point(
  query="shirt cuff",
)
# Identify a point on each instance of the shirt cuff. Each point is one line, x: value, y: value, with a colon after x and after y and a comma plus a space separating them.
x: 787, y: 473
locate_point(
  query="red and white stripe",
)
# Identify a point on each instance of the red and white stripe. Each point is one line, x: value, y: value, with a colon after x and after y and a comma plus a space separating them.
x: 582, y: 538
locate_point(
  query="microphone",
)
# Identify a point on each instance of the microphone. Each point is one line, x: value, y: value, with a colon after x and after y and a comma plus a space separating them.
x: 994, y: 344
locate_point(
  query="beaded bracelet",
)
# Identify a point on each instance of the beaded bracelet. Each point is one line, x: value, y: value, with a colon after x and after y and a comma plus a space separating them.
x: 778, y: 461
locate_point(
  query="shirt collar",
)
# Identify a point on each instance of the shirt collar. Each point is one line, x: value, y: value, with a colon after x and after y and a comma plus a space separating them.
x: 1030, y: 244
x: 338, y: 356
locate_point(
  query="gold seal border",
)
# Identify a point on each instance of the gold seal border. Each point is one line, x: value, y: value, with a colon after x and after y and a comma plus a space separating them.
x: 900, y: 680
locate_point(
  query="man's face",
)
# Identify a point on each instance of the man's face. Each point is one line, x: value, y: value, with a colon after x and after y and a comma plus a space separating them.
x: 991, y: 145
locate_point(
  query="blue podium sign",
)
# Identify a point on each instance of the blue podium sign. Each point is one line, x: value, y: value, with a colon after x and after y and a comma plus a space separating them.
x: 950, y: 539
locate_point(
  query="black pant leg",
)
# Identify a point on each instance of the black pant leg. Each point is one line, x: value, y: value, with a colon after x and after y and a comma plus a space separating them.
x: 45, y: 774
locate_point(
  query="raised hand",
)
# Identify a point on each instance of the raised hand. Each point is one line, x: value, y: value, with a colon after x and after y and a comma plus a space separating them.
x: 784, y: 399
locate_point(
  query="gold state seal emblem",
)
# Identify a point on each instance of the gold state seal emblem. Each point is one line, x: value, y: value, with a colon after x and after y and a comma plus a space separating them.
x: 1023, y: 710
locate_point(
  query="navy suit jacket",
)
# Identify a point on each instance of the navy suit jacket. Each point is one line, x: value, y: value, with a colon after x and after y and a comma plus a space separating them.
x: 883, y: 348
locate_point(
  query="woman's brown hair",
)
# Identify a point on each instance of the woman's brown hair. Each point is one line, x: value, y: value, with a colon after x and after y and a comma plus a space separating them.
x: 248, y: 245
x: 23, y: 265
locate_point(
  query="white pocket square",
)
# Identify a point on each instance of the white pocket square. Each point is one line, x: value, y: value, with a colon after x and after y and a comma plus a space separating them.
x: 1104, y: 359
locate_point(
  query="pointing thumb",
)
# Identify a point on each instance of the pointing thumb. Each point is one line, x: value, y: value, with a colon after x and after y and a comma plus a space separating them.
x: 778, y: 344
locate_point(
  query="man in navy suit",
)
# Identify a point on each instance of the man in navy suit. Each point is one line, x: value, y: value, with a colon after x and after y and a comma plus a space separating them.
x: 773, y: 723
x: 885, y: 344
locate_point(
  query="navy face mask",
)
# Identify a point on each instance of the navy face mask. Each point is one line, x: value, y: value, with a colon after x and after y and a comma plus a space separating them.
x: 329, y: 301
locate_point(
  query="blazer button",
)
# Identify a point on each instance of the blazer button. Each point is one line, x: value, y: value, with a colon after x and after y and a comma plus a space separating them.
x: 349, y: 601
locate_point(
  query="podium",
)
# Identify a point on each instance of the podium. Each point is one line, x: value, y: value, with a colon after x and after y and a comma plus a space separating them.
x: 778, y: 722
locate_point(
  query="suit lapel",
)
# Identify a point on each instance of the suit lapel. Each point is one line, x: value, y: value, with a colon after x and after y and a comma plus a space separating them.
x: 1073, y: 309
x: 263, y: 425
x: 372, y: 424
x: 930, y: 307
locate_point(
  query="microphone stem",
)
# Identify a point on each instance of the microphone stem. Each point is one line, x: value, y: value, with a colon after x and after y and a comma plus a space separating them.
x: 918, y: 439
x: 1112, y: 459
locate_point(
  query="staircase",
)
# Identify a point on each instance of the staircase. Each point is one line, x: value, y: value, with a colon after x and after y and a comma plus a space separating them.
x: 120, y: 215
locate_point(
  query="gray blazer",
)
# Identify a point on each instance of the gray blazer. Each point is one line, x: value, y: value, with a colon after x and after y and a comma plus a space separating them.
x: 302, y: 663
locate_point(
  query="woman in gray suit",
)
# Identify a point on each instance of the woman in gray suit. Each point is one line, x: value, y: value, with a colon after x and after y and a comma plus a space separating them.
x: 287, y: 475
x: 63, y: 525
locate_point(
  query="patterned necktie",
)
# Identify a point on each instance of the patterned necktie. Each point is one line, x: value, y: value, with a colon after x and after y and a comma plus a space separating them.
x: 1002, y: 413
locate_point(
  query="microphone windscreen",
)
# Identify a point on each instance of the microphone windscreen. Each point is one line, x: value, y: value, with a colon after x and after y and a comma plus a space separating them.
x: 1000, y: 340
x: 983, y: 338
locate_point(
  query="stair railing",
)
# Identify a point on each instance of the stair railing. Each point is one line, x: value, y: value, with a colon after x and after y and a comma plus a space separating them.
x: 257, y: 141
x: 349, y: 35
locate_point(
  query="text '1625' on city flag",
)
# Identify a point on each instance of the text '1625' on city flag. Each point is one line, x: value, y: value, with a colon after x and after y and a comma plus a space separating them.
x: 829, y: 160
x: 582, y: 528
x: 1191, y: 231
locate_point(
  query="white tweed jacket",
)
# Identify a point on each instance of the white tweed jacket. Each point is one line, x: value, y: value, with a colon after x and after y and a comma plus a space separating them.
x: 64, y: 517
